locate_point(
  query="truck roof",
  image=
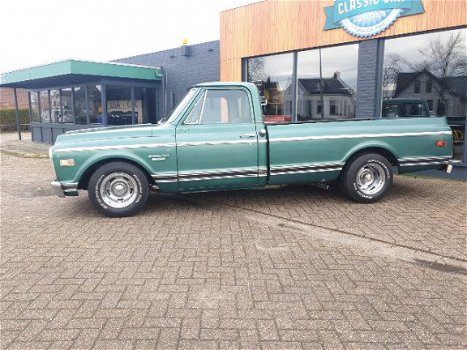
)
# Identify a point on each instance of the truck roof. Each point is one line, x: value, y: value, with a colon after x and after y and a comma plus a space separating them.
x: 228, y: 83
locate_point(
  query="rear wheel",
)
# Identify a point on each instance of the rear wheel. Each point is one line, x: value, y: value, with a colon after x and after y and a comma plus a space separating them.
x: 367, y: 178
x: 118, y: 189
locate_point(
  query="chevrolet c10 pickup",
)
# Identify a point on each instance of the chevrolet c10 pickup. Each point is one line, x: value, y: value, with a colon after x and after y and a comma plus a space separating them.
x: 215, y: 139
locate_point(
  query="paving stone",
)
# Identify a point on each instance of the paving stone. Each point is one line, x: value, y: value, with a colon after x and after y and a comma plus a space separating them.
x: 207, y: 271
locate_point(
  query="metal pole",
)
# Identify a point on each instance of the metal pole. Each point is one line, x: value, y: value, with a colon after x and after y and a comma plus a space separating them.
x: 104, y: 104
x: 295, y: 87
x: 464, y: 157
x: 132, y: 96
x: 18, y: 126
x: 321, y: 85
x: 88, y: 118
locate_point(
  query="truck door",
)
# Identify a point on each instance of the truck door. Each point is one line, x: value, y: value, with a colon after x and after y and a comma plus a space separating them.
x: 217, y: 142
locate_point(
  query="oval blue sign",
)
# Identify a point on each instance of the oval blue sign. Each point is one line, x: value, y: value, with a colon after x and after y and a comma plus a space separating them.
x: 365, y: 18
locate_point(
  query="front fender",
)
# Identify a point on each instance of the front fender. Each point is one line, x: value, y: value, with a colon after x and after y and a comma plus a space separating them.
x: 105, y: 157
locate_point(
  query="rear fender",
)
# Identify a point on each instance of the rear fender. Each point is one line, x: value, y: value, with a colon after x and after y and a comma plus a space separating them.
x: 372, y: 146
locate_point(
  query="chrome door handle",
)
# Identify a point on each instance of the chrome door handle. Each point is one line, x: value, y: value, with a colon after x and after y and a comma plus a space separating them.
x: 247, y: 136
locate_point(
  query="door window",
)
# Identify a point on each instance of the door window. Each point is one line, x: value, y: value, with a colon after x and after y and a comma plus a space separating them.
x: 221, y: 107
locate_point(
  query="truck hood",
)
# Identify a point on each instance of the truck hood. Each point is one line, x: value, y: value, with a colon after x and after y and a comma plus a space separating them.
x: 105, y: 133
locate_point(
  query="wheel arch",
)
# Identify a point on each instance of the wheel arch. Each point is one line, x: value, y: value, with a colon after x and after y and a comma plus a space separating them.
x: 384, y: 151
x: 91, y: 168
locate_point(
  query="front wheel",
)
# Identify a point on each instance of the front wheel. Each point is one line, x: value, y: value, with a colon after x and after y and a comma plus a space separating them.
x: 118, y: 189
x: 367, y: 178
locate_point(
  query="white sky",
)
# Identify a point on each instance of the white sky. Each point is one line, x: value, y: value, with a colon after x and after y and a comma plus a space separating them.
x: 34, y: 32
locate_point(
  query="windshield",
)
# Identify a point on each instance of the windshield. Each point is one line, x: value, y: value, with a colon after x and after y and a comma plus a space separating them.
x: 180, y: 107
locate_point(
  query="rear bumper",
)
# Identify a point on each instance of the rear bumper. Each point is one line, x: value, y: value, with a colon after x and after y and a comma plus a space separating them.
x: 65, y: 189
x: 450, y: 164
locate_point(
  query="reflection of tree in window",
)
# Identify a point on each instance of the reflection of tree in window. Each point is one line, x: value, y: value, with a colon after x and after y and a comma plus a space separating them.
x: 432, y: 66
x: 273, y: 76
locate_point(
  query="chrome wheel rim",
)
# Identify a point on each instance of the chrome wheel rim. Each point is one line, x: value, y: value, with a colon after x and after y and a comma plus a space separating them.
x: 371, y: 179
x: 118, y: 190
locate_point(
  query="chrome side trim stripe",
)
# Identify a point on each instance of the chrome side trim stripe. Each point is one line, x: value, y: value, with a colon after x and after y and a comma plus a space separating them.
x: 306, y: 166
x: 334, y: 137
x: 291, y: 172
x: 422, y: 159
x: 220, y: 177
x: 425, y: 163
x: 154, y: 145
x: 115, y: 147
x: 209, y: 175
x: 219, y: 173
x: 212, y: 143
x: 303, y: 169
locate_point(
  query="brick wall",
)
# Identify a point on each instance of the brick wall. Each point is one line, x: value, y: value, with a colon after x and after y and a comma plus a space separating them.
x: 7, y: 98
x: 201, y: 64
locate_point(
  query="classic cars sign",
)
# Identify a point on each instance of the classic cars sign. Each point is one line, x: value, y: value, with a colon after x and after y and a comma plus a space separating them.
x: 365, y: 18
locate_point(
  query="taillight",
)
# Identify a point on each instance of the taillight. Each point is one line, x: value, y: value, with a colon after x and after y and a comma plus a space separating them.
x: 441, y: 143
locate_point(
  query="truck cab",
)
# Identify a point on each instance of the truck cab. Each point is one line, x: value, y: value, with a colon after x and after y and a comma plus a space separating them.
x: 405, y: 108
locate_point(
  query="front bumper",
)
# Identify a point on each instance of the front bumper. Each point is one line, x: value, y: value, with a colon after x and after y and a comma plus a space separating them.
x: 65, y: 189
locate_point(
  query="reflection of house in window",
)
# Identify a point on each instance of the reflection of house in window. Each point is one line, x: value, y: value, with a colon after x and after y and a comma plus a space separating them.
x: 446, y: 97
x: 328, y: 98
x: 417, y: 86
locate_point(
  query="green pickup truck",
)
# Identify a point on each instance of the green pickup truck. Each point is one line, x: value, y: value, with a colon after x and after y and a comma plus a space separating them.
x: 216, y: 139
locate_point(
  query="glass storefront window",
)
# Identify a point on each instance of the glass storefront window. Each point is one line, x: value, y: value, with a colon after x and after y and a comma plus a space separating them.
x: 273, y: 76
x: 140, y: 105
x: 66, y: 115
x: 95, y: 104
x: 428, y: 70
x: 34, y: 103
x: 44, y: 106
x: 119, y: 110
x: 79, y: 97
x: 327, y: 83
x: 83, y: 105
x: 55, y: 105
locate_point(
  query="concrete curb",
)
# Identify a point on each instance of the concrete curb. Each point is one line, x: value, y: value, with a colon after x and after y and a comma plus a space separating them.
x: 24, y: 154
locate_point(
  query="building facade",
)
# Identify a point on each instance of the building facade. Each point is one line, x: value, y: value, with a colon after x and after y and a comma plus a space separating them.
x: 341, y: 59
x: 311, y: 60
x: 74, y: 94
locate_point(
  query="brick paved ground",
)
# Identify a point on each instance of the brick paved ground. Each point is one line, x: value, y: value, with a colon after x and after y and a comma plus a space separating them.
x: 428, y: 214
x: 190, y: 272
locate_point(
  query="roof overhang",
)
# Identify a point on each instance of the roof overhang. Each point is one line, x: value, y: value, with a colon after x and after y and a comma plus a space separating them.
x: 72, y: 72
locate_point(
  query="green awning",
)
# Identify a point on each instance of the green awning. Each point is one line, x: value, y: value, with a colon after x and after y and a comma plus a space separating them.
x: 75, y: 71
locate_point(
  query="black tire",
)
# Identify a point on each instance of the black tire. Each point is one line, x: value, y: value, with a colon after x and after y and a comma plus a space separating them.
x: 367, y: 178
x: 118, y: 189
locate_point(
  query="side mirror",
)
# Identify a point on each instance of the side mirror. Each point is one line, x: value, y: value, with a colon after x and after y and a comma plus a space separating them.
x: 264, y: 101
